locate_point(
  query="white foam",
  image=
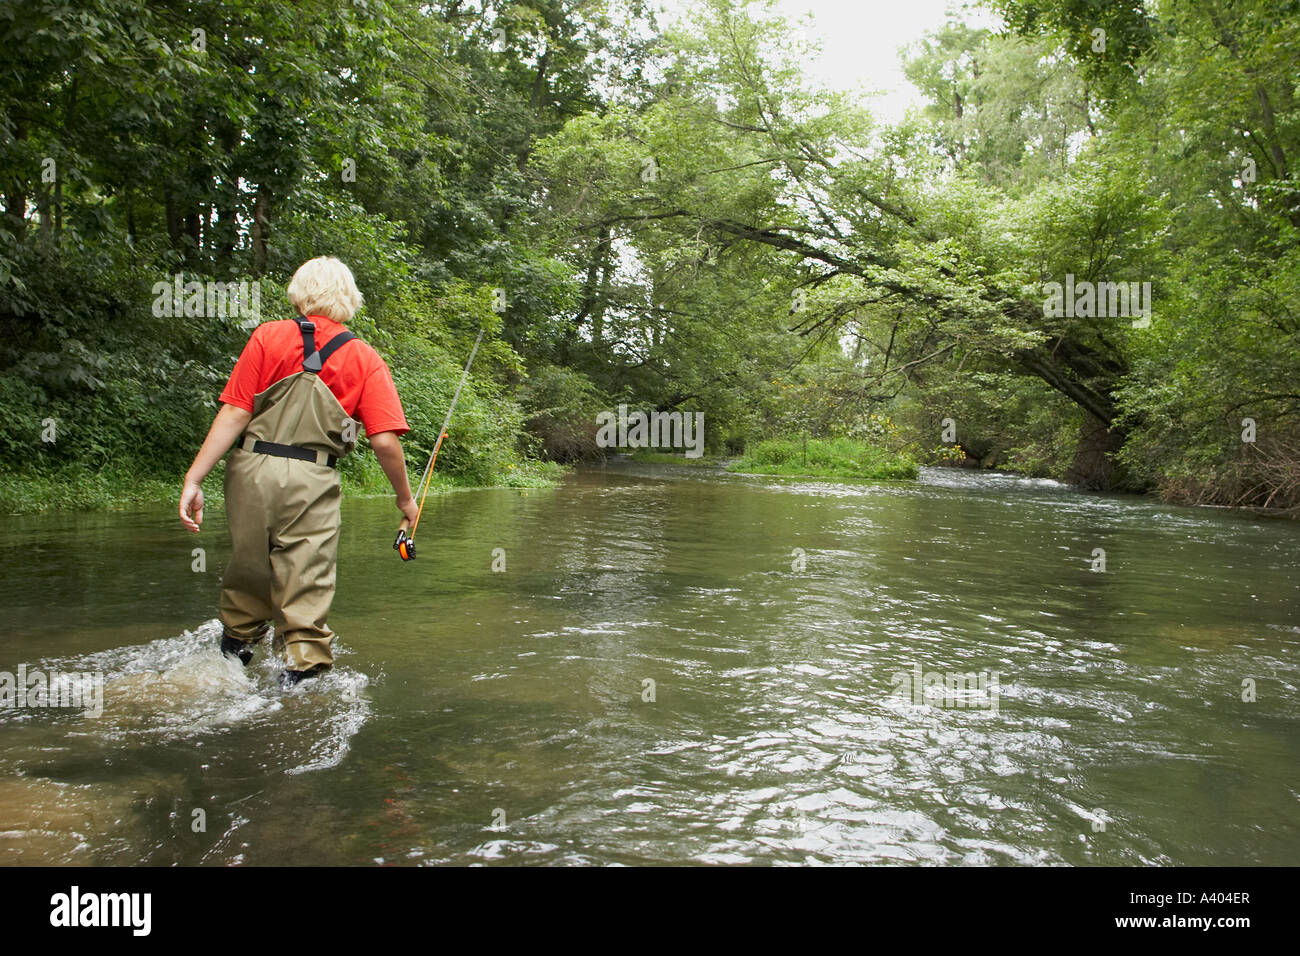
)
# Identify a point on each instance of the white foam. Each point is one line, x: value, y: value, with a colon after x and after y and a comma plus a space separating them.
x: 183, y: 687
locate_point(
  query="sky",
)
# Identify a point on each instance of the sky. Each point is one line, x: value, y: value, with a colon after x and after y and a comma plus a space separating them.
x: 860, y: 40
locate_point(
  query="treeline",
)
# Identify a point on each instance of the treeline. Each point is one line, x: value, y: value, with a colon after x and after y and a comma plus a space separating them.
x: 670, y: 219
x: 211, y: 142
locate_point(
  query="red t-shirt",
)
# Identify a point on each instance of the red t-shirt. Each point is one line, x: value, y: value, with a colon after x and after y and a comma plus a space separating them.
x: 355, y: 373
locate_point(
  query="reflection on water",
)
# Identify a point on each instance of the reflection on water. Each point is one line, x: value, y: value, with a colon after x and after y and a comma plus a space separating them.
x: 680, y: 665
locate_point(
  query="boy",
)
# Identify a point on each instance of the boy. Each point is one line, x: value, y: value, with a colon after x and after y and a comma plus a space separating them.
x: 288, y: 410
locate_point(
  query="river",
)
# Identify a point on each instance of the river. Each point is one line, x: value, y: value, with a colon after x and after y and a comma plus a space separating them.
x: 672, y: 665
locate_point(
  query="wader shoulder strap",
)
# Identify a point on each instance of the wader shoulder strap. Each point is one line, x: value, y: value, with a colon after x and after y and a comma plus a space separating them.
x: 333, y: 345
x: 312, y: 360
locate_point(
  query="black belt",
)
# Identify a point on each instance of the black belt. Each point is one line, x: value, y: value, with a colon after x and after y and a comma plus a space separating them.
x: 287, y: 451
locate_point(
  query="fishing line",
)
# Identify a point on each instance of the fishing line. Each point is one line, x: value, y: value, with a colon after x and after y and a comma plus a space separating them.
x: 405, y: 543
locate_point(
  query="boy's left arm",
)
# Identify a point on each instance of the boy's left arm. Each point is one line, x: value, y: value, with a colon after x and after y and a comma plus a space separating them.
x: 229, y: 424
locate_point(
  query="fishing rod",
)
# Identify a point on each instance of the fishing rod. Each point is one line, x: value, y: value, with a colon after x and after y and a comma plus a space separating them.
x: 405, y: 543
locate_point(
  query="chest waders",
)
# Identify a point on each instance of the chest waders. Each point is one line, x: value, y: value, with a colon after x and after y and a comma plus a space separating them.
x: 282, y: 507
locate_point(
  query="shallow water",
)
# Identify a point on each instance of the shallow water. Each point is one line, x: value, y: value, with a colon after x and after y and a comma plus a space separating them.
x: 481, y: 716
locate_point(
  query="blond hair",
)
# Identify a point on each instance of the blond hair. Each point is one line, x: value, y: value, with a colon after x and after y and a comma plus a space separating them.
x: 324, y: 286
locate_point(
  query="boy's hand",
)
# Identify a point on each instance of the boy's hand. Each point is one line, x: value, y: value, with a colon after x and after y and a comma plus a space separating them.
x: 191, y: 506
x: 408, y: 508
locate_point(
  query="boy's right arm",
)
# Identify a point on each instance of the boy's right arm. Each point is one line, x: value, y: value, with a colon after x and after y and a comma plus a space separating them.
x: 226, y: 427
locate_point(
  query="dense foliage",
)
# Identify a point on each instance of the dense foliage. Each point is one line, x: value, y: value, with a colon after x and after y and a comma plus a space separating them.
x: 676, y: 221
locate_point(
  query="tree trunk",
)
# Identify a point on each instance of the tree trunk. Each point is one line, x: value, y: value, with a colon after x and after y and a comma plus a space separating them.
x: 194, y: 239
x: 261, y: 232
x: 58, y: 204
x: 595, y: 289
x: 43, y: 211
x: 535, y: 108
x: 15, y: 190
x: 225, y: 231
x: 1094, y: 467
x: 171, y: 212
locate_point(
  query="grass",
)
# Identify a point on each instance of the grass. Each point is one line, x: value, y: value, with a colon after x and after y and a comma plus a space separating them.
x: 81, y: 489
x: 78, y: 488
x: 829, y: 458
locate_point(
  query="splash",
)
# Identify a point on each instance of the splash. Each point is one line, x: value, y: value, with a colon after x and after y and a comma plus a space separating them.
x: 182, y: 688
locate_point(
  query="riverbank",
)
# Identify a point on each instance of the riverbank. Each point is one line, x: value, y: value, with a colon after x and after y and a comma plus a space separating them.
x: 645, y: 456
x: 112, y: 489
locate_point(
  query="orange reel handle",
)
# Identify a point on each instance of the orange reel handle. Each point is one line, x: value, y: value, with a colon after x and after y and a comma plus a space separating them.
x: 403, y: 544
